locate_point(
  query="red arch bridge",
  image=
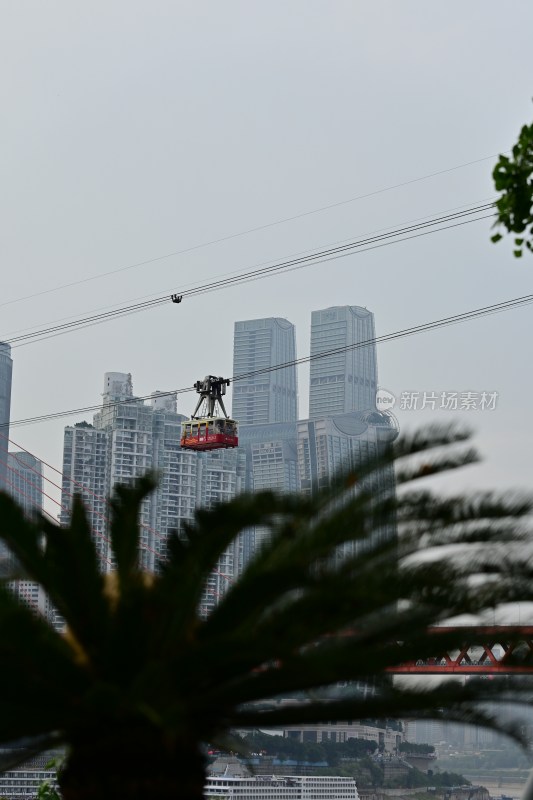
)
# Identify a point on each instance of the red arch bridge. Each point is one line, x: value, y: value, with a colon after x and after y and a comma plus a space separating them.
x: 498, y: 649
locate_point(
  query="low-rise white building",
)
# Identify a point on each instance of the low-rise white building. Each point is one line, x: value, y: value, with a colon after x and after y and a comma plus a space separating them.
x: 281, y: 787
x: 388, y: 739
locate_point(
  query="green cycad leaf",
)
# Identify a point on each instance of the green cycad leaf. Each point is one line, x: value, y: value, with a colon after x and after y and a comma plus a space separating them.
x: 300, y: 538
x: 64, y: 564
x: 451, y: 702
x: 283, y: 601
x: 74, y: 582
x: 38, y: 665
x: 304, y: 615
x: 23, y: 537
x: 126, y: 509
x: 192, y: 559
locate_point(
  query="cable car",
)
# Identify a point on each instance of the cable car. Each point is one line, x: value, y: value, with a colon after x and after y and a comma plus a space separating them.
x: 207, y: 429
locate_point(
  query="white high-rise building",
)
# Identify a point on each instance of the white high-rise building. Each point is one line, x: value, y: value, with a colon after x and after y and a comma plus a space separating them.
x: 129, y: 438
x: 85, y: 473
x: 344, y: 378
x: 220, y: 478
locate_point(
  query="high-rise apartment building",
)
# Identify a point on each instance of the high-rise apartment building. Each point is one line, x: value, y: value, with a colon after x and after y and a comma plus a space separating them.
x: 220, y: 478
x: 6, y: 371
x: 85, y: 473
x: 129, y: 438
x: 345, y: 379
x: 260, y: 398
x: 344, y: 428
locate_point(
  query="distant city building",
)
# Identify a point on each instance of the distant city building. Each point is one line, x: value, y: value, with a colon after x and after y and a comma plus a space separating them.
x: 220, y: 478
x: 6, y: 371
x: 129, y: 438
x: 25, y: 473
x: 271, y: 462
x: 345, y: 379
x: 343, y: 441
x: 465, y: 737
x: 281, y: 787
x: 274, y: 459
x: 330, y: 445
x: 263, y: 397
x: 265, y: 404
x: 25, y: 481
x: 85, y: 472
x: 387, y: 738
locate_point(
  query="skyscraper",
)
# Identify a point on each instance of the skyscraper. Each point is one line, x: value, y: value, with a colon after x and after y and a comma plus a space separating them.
x: 344, y: 428
x: 85, y: 472
x: 127, y: 439
x: 272, y: 396
x: 266, y: 407
x: 6, y: 370
x: 346, y: 379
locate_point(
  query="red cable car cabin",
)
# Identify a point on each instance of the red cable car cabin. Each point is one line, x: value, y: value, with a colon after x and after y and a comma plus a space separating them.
x: 207, y: 429
x: 209, y: 433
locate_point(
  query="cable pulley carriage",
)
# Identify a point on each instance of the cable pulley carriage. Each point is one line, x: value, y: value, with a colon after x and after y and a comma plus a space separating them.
x: 209, y: 427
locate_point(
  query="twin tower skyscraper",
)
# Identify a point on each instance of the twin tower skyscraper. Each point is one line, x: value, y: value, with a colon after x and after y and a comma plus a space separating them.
x: 343, y: 372
x: 343, y: 428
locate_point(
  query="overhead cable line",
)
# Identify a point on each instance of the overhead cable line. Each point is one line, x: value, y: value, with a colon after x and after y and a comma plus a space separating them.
x: 446, y: 221
x: 256, y: 229
x: 16, y: 489
x: 167, y: 292
x: 476, y: 313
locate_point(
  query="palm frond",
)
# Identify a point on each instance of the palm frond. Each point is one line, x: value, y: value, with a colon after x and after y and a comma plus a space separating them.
x: 126, y: 510
x: 333, y: 595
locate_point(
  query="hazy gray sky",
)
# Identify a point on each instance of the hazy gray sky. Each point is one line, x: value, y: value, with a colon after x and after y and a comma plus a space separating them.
x: 131, y: 130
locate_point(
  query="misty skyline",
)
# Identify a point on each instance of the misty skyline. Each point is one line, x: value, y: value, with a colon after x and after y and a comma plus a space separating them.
x: 131, y: 133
